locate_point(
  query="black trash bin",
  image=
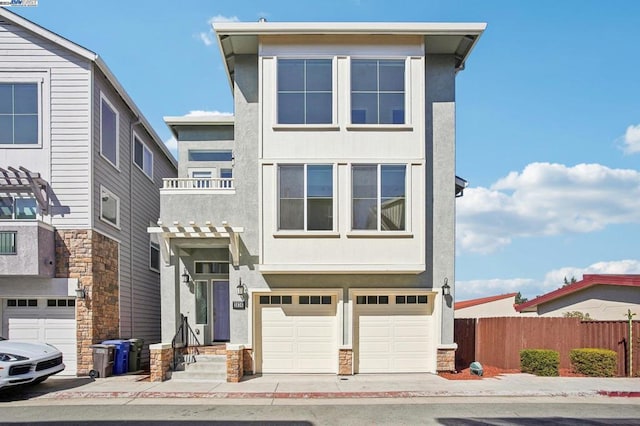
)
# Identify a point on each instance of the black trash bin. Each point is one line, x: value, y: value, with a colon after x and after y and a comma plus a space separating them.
x: 135, y: 351
x: 102, y: 361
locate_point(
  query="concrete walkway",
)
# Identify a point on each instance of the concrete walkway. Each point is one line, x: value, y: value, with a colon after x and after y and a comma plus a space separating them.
x: 326, y: 387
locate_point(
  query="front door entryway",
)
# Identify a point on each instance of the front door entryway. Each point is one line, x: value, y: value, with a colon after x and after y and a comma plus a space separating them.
x: 220, y: 311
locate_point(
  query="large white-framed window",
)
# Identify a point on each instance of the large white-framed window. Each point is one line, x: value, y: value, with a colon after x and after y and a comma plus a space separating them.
x: 306, y: 197
x: 109, y: 131
x: 305, y: 91
x: 109, y: 207
x: 20, y: 113
x: 8, y: 242
x: 19, y: 208
x: 142, y: 156
x: 378, y: 91
x: 378, y: 197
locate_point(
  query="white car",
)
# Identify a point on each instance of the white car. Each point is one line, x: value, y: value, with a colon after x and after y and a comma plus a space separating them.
x: 26, y: 362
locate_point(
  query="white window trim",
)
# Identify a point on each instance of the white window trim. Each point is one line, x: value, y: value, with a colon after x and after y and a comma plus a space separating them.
x: 103, y: 97
x: 406, y: 233
x: 144, y: 147
x: 110, y: 194
x: 407, y: 125
x: 304, y: 232
x: 333, y: 126
x: 41, y: 79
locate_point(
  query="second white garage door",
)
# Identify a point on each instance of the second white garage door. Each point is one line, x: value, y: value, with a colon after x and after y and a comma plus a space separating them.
x: 394, y: 333
x: 297, y: 334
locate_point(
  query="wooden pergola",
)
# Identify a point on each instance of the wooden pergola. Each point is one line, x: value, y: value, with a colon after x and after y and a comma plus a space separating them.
x: 22, y: 180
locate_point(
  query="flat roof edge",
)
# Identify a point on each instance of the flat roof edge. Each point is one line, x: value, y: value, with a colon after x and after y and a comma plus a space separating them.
x: 400, y: 28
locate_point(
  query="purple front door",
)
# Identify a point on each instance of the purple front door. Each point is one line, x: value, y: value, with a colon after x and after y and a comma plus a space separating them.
x: 221, y: 311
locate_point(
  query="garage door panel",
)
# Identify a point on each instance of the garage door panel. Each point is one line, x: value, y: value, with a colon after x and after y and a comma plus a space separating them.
x: 394, y: 338
x: 298, y: 338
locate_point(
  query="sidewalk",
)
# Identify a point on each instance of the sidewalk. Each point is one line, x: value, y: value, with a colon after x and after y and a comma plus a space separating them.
x: 326, y: 387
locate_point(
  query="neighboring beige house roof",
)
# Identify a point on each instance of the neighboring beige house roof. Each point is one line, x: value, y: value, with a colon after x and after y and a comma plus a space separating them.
x: 602, y: 296
x: 493, y: 306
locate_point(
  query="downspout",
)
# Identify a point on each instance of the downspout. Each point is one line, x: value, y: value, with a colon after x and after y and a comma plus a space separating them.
x: 132, y: 148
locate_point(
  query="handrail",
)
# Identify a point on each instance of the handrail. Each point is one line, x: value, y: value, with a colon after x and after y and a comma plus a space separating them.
x: 197, y: 183
x: 184, y: 338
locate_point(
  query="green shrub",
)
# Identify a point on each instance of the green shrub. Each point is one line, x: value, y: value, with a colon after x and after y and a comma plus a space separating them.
x: 594, y: 362
x: 541, y: 362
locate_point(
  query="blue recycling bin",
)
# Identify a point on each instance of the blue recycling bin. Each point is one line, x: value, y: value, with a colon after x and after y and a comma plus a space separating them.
x: 121, y: 355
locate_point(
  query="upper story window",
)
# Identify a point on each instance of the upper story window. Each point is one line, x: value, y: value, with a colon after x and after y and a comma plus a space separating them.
x: 379, y: 197
x: 18, y: 208
x: 305, y: 91
x: 108, y: 131
x: 109, y: 207
x: 305, y: 197
x: 208, y: 155
x: 19, y: 114
x: 377, y: 91
x: 142, y: 157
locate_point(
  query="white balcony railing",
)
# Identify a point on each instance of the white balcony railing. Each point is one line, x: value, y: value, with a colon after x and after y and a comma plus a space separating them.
x: 198, y: 183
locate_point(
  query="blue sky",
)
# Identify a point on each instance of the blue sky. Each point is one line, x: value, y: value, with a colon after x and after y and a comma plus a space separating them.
x: 548, y: 115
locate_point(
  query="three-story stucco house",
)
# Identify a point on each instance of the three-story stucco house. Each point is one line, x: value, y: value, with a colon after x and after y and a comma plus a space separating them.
x: 80, y: 171
x: 313, y: 232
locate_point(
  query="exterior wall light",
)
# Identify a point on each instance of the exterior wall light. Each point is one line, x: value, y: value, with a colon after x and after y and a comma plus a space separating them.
x: 185, y: 276
x: 241, y: 290
x: 80, y: 292
x: 446, y: 289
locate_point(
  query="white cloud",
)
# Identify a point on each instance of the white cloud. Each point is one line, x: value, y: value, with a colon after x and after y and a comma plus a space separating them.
x: 172, y: 145
x: 222, y: 18
x: 546, y: 199
x: 208, y: 37
x: 531, y: 288
x: 632, y: 140
x: 202, y: 113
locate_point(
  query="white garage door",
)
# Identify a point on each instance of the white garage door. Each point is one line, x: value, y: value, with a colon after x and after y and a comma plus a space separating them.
x: 297, y: 334
x: 45, y: 320
x: 394, y: 333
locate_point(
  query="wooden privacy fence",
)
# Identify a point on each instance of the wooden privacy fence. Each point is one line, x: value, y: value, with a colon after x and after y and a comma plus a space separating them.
x: 498, y: 341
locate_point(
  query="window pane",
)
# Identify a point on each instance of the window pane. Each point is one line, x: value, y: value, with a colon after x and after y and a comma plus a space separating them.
x: 400, y: 300
x: 226, y: 173
x: 26, y: 208
x: 412, y: 299
x: 6, y: 129
x: 320, y: 180
x: 201, y: 303
x: 365, y: 199
x: 326, y: 300
x: 25, y: 97
x: 319, y: 75
x: 6, y: 98
x: 275, y: 300
x: 137, y: 152
x: 364, y: 75
x: 391, y: 74
x: 291, y: 197
x: 109, y: 132
x: 154, y: 256
x: 25, y: 129
x: 383, y: 300
x: 423, y: 299
x: 109, y: 208
x: 286, y: 300
x: 303, y: 300
x: 264, y: 300
x: 365, y: 183
x: 290, y: 75
x: 8, y: 242
x: 148, y: 162
x: 392, y: 204
x: 361, y: 300
x: 200, y: 155
x: 6, y: 208
x: 372, y: 300
x: 364, y: 108
x: 315, y: 300
x: 320, y: 214
x: 291, y: 108
x: 392, y: 108
x: 319, y: 108
x: 51, y: 302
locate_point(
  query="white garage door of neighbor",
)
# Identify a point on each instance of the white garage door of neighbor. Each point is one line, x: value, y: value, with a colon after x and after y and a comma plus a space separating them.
x: 298, y: 334
x: 394, y: 337
x: 31, y: 324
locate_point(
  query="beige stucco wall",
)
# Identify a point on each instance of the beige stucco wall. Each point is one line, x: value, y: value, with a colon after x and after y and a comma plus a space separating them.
x: 497, y: 308
x: 601, y: 302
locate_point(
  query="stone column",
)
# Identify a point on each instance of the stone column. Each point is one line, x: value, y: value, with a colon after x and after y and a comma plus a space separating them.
x: 235, y: 364
x: 346, y: 362
x: 161, y: 356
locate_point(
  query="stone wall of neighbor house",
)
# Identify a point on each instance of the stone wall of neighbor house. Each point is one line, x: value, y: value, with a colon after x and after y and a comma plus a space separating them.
x: 345, y: 362
x: 92, y: 258
x: 446, y: 360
